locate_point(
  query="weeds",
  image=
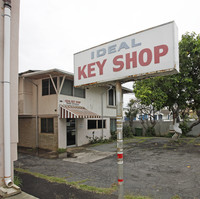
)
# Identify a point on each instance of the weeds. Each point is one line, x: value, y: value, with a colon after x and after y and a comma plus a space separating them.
x: 17, y: 181
x: 136, y: 197
x: 76, y: 184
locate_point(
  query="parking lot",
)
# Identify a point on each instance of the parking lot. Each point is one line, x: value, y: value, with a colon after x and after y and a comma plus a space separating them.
x: 154, y: 167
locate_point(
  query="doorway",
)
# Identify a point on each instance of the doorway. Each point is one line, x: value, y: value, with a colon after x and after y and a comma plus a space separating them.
x: 71, y: 131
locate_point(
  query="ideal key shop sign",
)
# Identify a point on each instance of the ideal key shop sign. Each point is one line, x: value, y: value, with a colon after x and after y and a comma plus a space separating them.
x: 152, y: 52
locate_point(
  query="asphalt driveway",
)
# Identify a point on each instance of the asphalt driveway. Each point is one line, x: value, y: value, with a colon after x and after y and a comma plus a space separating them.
x: 155, y: 167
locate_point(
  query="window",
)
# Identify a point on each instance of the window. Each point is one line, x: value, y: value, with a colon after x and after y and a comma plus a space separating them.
x: 92, y: 124
x: 111, y: 97
x: 47, y: 125
x: 100, y: 124
x: 155, y: 117
x: 113, y: 126
x: 160, y: 117
x: 47, y: 86
x: 79, y: 92
x: 96, y: 124
x: 68, y: 89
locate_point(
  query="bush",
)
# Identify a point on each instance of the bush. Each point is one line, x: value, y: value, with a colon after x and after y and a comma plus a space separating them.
x: 127, y: 132
x: 150, y: 131
x: 184, y: 127
x: 113, y: 135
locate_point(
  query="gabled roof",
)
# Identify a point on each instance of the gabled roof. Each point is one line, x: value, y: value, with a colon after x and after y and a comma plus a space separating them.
x: 41, y: 74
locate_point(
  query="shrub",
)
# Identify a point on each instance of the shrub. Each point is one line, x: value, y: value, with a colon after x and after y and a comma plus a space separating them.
x: 150, y: 131
x: 127, y: 132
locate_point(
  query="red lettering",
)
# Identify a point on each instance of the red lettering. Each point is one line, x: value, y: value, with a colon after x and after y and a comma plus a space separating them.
x: 90, y: 70
x: 101, y: 66
x: 81, y: 72
x: 132, y: 59
x: 141, y: 57
x: 158, y: 54
x: 116, y: 62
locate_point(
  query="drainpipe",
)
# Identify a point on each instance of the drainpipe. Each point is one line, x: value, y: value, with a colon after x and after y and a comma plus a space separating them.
x: 102, y: 108
x: 7, y: 147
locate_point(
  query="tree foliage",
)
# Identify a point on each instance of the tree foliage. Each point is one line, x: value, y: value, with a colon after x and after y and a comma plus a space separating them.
x: 131, y: 112
x: 182, y: 89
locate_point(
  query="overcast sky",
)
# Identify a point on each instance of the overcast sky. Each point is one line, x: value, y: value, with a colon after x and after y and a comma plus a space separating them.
x: 51, y: 31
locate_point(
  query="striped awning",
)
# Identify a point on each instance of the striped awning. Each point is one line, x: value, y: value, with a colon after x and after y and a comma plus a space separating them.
x: 67, y: 111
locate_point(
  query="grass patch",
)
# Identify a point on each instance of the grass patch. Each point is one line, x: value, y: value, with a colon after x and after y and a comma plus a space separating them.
x: 61, y: 150
x: 136, y: 197
x: 176, y: 197
x: 146, y: 197
x: 76, y: 184
x: 17, y: 181
x: 191, y: 141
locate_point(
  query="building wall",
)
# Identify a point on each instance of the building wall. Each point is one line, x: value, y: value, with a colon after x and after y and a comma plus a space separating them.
x: 84, y: 134
x: 49, y: 105
x: 92, y: 101
x: 14, y: 84
x: 26, y: 98
x: 27, y: 132
x: 49, y: 140
x: 62, y: 133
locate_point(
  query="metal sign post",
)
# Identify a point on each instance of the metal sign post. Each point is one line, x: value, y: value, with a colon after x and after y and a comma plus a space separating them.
x: 148, y: 53
x: 119, y: 112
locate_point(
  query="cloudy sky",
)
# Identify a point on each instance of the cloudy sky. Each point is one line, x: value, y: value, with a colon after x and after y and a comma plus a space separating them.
x: 51, y: 31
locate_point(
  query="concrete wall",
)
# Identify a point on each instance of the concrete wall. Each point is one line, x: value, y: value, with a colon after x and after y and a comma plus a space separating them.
x: 27, y: 132
x: 25, y: 96
x: 163, y: 127
x: 83, y: 132
x: 62, y: 143
x: 49, y: 140
x: 14, y: 84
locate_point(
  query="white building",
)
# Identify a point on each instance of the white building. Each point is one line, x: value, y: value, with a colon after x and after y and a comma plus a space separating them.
x: 54, y: 114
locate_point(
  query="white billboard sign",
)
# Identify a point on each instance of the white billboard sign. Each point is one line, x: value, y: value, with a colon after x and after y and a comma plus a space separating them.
x: 147, y: 53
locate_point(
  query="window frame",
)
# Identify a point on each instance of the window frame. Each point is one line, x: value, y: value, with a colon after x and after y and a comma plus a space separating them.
x: 73, y: 91
x: 96, y: 124
x: 50, y: 90
x: 113, y: 96
x: 46, y: 121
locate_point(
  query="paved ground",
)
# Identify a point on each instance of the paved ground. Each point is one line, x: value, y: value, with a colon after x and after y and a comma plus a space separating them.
x: 155, y: 167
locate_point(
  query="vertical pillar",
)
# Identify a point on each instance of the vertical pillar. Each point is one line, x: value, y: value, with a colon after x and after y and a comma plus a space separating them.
x: 119, y: 113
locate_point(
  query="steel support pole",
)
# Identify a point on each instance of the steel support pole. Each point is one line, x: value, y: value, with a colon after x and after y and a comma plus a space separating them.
x: 119, y: 113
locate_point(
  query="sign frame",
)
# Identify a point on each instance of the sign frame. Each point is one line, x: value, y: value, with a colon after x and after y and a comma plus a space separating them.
x: 92, y: 65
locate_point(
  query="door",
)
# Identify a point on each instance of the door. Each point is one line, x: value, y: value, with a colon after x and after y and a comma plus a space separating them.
x: 71, y: 131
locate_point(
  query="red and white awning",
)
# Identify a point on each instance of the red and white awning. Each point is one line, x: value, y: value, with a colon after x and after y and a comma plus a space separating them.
x: 67, y: 111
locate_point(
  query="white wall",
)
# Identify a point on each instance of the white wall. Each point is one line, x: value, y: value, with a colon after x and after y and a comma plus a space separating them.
x: 92, y: 101
x: 83, y: 131
x: 62, y: 133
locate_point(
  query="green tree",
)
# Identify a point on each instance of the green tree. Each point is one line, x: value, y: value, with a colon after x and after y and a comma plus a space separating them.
x: 131, y: 112
x: 179, y: 92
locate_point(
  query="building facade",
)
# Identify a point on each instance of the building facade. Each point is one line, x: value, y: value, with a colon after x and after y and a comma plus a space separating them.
x: 14, y: 26
x: 53, y: 114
